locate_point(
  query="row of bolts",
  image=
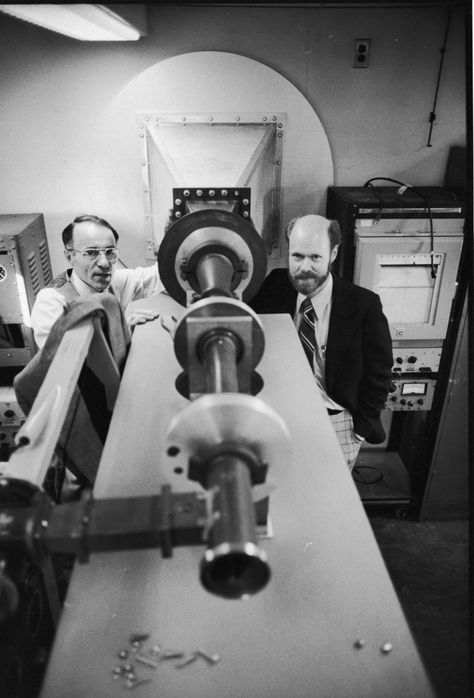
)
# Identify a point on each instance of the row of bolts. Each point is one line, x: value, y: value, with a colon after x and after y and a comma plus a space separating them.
x: 137, y: 653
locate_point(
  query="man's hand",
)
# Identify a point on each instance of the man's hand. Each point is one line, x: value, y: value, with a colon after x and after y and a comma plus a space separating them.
x: 169, y: 322
x: 138, y: 316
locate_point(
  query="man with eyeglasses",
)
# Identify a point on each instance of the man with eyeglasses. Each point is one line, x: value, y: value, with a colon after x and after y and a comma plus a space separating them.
x: 90, y: 246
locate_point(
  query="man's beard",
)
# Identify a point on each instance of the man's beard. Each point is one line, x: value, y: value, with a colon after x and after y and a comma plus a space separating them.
x: 307, y: 283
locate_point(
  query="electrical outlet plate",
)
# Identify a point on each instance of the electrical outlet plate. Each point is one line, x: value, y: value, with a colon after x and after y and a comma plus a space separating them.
x: 361, y: 53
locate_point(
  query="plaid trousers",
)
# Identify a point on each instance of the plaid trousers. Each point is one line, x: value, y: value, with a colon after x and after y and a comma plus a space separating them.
x: 344, y: 427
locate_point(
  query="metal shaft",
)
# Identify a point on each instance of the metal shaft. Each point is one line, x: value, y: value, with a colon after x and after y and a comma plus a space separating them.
x: 214, y: 274
x: 219, y: 357
x: 233, y: 565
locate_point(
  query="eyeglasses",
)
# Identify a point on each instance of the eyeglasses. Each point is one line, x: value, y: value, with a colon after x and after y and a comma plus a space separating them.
x: 92, y: 253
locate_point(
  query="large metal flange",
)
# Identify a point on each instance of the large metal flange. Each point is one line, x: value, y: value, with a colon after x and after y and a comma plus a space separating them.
x: 212, y: 227
x: 216, y: 419
x: 215, y: 312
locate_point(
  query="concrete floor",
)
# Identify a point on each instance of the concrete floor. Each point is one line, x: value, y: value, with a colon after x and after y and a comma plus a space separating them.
x: 429, y: 564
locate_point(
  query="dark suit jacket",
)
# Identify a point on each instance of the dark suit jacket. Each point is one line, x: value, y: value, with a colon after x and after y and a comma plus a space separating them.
x: 358, y: 351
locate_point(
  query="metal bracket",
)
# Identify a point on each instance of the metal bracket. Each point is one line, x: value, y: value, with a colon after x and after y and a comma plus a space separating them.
x: 234, y: 199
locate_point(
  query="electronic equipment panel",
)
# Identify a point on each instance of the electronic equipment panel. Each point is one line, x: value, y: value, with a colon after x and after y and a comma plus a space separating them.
x: 411, y: 393
x: 25, y: 268
x: 11, y: 419
x: 404, y: 244
x: 416, y: 284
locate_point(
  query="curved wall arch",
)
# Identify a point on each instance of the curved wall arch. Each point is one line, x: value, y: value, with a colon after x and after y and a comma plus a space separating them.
x: 206, y: 81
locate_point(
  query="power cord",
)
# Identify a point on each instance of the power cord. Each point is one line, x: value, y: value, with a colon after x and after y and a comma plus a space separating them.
x: 403, y: 187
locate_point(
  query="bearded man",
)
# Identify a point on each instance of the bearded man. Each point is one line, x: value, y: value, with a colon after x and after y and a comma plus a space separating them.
x: 342, y: 327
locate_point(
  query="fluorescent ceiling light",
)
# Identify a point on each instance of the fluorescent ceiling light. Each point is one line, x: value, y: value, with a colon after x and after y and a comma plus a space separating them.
x: 84, y: 22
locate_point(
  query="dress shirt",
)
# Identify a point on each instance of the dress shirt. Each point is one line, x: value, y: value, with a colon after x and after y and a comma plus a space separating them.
x: 127, y: 285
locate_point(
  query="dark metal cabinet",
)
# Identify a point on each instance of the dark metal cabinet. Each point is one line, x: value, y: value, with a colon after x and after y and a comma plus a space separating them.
x: 446, y: 493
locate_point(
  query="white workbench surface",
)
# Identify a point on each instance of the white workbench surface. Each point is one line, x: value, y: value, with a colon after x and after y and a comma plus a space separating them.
x: 329, y: 586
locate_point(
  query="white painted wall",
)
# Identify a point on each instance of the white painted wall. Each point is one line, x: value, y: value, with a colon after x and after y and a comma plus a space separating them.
x: 55, y: 91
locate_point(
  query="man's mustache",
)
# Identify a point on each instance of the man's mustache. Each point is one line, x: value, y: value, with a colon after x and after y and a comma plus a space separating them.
x: 305, y: 275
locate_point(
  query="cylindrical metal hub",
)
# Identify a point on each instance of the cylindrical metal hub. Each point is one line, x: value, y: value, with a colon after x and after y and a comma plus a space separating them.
x: 214, y: 274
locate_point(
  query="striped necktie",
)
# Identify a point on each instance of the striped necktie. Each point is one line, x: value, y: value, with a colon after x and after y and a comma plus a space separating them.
x: 306, y: 329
